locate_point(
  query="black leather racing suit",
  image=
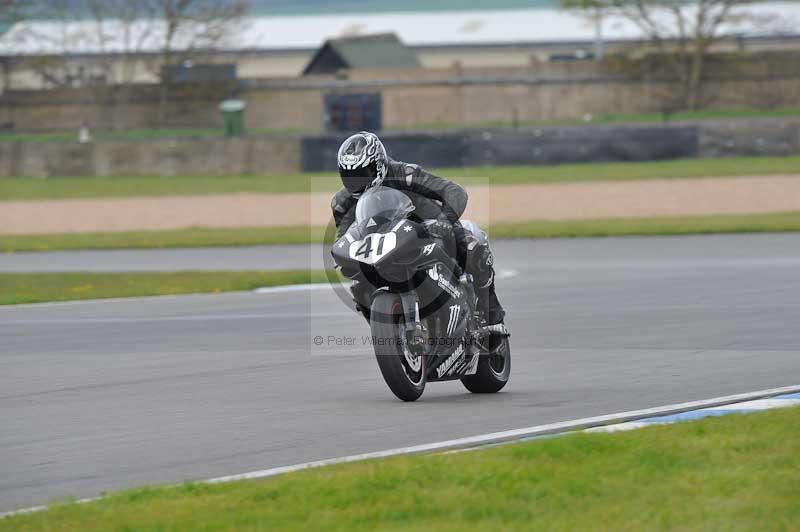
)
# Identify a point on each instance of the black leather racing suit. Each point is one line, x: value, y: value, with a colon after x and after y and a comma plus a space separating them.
x: 434, y: 198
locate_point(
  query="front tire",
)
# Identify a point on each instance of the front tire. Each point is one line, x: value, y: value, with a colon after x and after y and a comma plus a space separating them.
x: 493, y: 370
x: 403, y: 372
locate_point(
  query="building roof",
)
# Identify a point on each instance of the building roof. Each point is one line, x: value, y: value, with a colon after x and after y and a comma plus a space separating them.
x: 329, y: 7
x: 428, y: 29
x: 381, y: 50
x: 81, y: 9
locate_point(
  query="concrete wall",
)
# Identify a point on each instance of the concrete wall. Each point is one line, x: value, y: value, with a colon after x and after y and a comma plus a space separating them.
x: 289, y: 154
x: 115, y: 108
x: 418, y: 98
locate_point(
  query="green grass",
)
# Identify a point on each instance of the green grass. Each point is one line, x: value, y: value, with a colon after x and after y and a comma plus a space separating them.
x: 181, y: 238
x: 72, y: 136
x: 737, y: 472
x: 251, y: 236
x: 656, y: 226
x: 693, y: 116
x: 587, y: 172
x: 27, y: 188
x: 703, y: 114
x: 18, y: 288
x: 94, y: 187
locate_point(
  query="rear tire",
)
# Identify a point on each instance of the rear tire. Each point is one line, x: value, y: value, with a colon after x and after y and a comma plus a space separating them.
x: 493, y: 371
x: 403, y: 373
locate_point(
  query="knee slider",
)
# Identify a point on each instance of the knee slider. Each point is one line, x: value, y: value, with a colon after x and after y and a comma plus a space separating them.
x: 479, y: 263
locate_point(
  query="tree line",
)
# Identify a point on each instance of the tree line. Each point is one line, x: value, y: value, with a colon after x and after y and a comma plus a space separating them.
x: 120, y: 34
x: 679, y: 35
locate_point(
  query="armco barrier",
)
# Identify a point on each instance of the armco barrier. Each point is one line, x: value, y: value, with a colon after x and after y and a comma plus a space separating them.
x: 549, y: 145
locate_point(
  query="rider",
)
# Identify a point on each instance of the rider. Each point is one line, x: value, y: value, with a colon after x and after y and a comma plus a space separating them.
x: 363, y: 163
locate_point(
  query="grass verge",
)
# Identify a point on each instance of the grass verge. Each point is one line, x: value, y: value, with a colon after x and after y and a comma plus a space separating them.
x: 181, y: 238
x: 656, y: 226
x: 18, y: 288
x: 251, y: 236
x: 693, y: 116
x: 737, y: 472
x: 97, y: 187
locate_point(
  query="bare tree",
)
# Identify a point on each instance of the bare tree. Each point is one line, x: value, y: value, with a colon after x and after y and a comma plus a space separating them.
x: 682, y: 33
x: 123, y: 29
x: 190, y: 26
x: 52, y: 43
x: 73, y: 51
x: 11, y: 12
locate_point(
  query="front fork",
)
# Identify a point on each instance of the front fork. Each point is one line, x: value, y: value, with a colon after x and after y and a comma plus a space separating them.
x: 413, y: 325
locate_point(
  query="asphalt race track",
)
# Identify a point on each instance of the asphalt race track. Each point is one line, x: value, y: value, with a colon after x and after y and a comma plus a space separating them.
x: 98, y: 396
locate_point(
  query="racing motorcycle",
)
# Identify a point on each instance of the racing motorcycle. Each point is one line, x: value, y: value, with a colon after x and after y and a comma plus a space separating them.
x: 418, y: 302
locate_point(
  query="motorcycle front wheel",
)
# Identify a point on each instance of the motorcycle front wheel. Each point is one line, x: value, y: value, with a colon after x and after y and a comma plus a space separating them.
x: 403, y: 371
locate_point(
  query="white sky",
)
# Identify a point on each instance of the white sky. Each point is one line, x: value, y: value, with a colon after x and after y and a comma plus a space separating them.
x: 309, y: 32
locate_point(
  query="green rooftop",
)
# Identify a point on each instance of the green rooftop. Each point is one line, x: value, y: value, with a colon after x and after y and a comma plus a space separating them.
x: 339, y: 7
x: 78, y: 9
x: 382, y: 50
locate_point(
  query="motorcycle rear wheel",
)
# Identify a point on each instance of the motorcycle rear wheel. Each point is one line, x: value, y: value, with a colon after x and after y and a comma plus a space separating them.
x: 403, y: 372
x: 493, y: 370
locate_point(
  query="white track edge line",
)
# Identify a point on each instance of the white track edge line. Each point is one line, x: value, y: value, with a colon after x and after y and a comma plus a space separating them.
x: 515, y: 434
x: 485, y: 439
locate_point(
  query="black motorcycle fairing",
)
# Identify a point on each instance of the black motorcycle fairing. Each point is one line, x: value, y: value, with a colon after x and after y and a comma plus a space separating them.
x: 380, y: 250
x: 384, y: 250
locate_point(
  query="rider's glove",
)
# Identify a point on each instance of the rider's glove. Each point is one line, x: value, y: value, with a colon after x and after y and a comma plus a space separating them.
x: 441, y: 228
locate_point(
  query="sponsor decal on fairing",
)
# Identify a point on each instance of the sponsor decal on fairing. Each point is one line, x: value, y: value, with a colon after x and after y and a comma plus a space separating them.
x: 455, y: 311
x: 443, y: 283
x: 441, y: 370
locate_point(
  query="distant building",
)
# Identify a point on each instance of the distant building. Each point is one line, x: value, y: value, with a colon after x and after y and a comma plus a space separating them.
x: 289, y: 46
x: 382, y: 50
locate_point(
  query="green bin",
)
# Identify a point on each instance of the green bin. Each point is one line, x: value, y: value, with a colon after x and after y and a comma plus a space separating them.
x: 232, y: 117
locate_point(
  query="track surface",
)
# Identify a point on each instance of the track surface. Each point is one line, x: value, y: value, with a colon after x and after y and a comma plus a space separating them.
x: 105, y: 395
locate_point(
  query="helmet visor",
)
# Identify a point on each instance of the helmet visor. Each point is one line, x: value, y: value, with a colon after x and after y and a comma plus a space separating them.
x: 358, y: 179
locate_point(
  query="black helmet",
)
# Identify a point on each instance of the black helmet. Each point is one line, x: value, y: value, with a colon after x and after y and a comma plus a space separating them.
x: 362, y: 162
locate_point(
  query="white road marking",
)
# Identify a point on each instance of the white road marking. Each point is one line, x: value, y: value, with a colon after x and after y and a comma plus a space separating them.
x: 620, y: 427
x: 516, y: 434
x: 505, y: 274
x: 290, y: 288
x: 761, y: 404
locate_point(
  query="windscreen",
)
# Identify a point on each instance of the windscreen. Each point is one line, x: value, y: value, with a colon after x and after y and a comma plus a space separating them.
x: 383, y: 202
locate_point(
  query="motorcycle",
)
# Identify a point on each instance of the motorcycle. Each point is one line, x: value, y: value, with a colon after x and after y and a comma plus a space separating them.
x: 419, y: 304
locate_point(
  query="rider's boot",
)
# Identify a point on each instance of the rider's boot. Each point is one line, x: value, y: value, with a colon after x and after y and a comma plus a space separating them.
x: 480, y: 264
x: 489, y: 306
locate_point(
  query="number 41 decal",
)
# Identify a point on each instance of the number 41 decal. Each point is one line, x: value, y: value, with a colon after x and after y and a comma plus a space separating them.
x: 373, y: 248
